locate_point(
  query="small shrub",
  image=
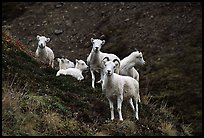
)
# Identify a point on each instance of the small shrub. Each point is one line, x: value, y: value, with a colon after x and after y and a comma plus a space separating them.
x: 187, y: 129
x: 168, y: 128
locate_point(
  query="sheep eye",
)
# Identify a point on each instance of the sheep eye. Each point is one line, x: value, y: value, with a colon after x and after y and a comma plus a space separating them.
x: 82, y: 63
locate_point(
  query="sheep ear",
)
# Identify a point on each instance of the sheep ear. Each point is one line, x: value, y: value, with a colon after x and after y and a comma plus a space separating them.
x: 38, y: 37
x: 136, y: 49
x: 103, y: 62
x: 77, y: 60
x: 117, y: 62
x: 48, y: 40
x: 103, y: 42
x: 105, y: 59
x: 67, y: 60
x: 92, y: 40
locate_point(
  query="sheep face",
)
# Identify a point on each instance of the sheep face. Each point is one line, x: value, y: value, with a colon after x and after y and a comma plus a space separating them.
x: 139, y: 58
x: 109, y: 68
x: 42, y: 40
x: 64, y: 60
x: 97, y: 43
x: 80, y: 64
x: 69, y: 63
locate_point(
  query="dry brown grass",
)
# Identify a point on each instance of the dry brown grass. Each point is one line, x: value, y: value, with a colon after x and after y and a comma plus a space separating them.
x: 168, y: 128
x: 146, y: 99
x: 187, y: 129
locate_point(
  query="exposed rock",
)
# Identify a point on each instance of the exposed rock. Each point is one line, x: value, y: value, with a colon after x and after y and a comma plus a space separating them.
x: 57, y: 32
x: 58, y: 5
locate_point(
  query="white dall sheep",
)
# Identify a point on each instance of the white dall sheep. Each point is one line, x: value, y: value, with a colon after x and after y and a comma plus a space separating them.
x: 44, y: 52
x: 74, y: 72
x: 95, y: 57
x: 65, y: 63
x: 119, y: 87
x: 128, y: 63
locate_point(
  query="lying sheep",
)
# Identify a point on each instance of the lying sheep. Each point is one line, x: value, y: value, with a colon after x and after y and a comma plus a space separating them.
x: 74, y: 72
x: 64, y: 63
x: 43, y: 52
x: 119, y: 87
x: 95, y: 57
x: 128, y: 63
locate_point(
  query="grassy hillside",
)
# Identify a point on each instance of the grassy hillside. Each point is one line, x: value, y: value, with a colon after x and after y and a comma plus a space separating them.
x: 168, y: 33
x: 36, y: 102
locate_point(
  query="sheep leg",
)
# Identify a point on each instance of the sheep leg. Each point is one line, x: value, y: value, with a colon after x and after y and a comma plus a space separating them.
x: 36, y: 54
x: 136, y: 108
x: 58, y: 73
x: 139, y: 98
x: 102, y: 74
x: 52, y: 63
x: 132, y: 105
x: 111, y: 109
x: 93, y: 78
x: 119, y: 104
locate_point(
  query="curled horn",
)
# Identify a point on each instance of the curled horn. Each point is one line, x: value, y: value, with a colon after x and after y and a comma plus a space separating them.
x: 117, y: 61
x: 106, y: 58
x: 103, y: 61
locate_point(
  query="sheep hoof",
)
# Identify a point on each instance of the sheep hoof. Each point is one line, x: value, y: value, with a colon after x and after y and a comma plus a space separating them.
x: 100, y: 81
x: 137, y: 117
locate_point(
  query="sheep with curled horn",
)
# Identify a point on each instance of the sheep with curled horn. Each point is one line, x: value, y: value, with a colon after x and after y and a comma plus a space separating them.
x: 119, y: 87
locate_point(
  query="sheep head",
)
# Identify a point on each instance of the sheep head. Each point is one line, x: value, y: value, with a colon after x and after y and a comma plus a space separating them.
x: 97, y: 44
x: 80, y: 64
x: 110, y: 66
x: 42, y: 40
x: 139, y: 58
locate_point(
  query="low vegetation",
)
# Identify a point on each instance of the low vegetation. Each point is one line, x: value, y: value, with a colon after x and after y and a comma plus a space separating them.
x: 36, y: 102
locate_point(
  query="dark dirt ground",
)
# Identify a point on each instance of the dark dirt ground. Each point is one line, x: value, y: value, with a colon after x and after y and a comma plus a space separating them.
x: 169, y: 34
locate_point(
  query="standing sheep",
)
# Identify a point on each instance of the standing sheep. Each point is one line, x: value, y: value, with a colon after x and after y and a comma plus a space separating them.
x: 128, y: 63
x: 95, y: 57
x: 117, y: 86
x: 43, y: 52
